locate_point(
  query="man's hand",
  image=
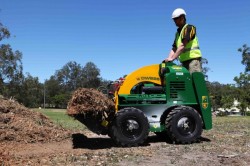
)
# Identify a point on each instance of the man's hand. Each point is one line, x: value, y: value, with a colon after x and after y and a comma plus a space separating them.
x: 169, y: 59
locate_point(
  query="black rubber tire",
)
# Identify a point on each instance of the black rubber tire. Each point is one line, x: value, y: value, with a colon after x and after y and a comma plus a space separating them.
x: 130, y: 127
x: 184, y: 125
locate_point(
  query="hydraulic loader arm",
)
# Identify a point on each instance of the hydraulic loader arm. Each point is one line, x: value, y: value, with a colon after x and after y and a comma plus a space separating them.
x: 144, y: 74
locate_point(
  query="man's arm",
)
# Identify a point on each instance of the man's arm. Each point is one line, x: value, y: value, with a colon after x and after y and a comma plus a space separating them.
x: 170, y: 56
x: 188, y: 35
x: 175, y: 54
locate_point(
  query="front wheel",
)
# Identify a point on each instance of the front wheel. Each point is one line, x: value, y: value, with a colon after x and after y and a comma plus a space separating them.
x: 184, y: 125
x: 130, y: 127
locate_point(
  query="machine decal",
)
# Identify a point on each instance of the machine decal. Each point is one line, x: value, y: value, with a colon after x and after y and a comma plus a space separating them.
x: 145, y: 78
x: 156, y: 125
x: 179, y: 73
x: 150, y: 78
x: 177, y: 68
x: 204, y: 102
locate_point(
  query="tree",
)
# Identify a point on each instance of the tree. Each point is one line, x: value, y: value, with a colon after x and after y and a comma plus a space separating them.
x: 204, y: 62
x: 11, y: 69
x: 245, y: 57
x: 26, y: 90
x: 221, y: 95
x: 31, y: 92
x: 91, y: 75
x: 52, y: 88
x: 73, y: 75
x: 10, y: 63
x: 66, y: 80
x: 243, y: 81
x: 70, y: 76
x: 243, y: 91
x: 214, y: 89
x: 4, y: 32
x: 61, y: 100
x: 228, y: 95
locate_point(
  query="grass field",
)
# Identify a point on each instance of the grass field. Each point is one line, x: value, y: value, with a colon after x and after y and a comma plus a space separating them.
x: 59, y: 117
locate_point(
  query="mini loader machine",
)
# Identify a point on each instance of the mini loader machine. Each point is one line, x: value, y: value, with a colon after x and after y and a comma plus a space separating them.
x: 165, y: 99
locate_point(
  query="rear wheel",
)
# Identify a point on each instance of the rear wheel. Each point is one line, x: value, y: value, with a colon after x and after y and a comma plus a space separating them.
x: 184, y: 125
x: 130, y: 127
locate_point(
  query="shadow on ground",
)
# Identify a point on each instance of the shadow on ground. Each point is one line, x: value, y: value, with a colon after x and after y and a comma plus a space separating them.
x: 155, y: 139
x: 80, y: 141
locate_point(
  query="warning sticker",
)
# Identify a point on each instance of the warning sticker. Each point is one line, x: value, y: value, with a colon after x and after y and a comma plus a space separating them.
x: 204, y: 102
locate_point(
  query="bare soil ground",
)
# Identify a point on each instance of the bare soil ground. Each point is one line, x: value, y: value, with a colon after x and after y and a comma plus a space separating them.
x: 30, y: 138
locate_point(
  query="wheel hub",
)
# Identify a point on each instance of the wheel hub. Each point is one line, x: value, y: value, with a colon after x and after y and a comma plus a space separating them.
x: 132, y: 125
x: 184, y: 124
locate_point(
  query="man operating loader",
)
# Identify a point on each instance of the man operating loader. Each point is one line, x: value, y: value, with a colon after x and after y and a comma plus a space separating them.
x: 186, y: 45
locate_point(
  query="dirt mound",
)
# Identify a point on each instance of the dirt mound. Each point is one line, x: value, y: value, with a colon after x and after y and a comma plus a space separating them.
x: 20, y: 124
x: 89, y: 101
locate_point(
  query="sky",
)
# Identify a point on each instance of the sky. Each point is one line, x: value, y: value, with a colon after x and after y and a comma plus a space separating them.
x: 120, y: 36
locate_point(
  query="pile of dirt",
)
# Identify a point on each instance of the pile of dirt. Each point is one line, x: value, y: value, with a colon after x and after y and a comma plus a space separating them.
x: 91, y: 102
x: 20, y: 124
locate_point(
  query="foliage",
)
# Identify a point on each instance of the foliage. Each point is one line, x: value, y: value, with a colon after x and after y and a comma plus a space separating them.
x: 73, y: 76
x: 245, y: 50
x: 205, y: 69
x: 91, y: 75
x: 10, y: 64
x: 221, y: 95
x: 224, y: 95
x: 32, y: 91
x: 243, y: 91
x: 70, y: 76
x: 4, y: 32
x: 11, y: 69
x: 61, y: 100
x: 66, y: 80
x: 221, y: 114
x: 228, y: 95
x: 214, y: 89
x: 243, y: 81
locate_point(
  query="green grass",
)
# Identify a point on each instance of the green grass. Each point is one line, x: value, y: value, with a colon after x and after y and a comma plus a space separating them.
x: 230, y: 131
x: 60, y: 118
x: 229, y: 123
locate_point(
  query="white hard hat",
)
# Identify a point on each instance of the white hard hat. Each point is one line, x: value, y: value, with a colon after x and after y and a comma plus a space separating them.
x: 178, y: 12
